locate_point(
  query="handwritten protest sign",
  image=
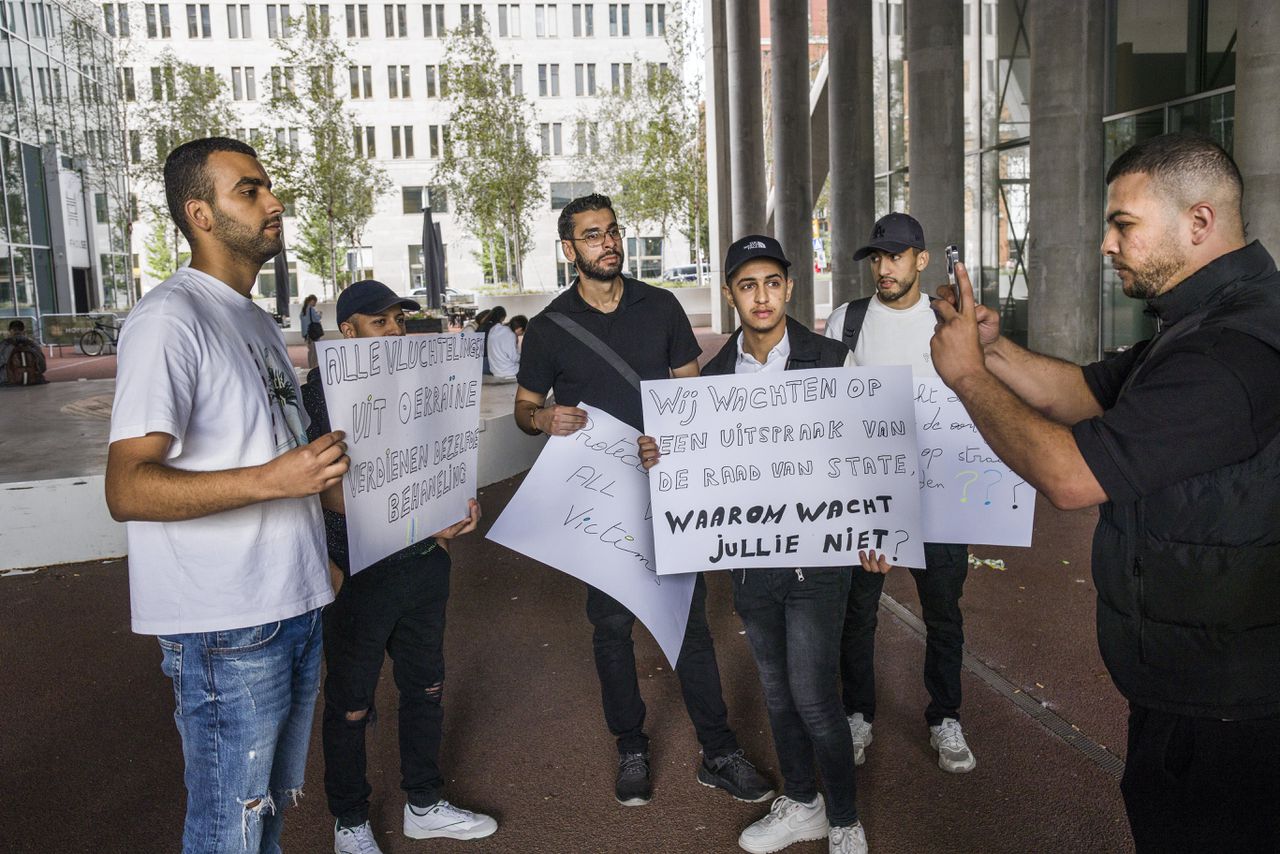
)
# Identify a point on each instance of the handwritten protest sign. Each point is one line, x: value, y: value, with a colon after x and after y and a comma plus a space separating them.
x: 584, y: 510
x: 967, y: 494
x: 802, y: 468
x: 410, y: 406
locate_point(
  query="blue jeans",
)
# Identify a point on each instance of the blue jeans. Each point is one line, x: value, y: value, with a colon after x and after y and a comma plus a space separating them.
x: 244, y: 700
x: 793, y: 620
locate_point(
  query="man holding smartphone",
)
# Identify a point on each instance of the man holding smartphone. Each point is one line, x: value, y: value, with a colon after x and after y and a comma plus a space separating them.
x: 894, y: 327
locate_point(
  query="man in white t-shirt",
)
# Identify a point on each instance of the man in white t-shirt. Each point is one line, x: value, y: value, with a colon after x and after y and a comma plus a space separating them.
x: 894, y: 327
x: 210, y: 468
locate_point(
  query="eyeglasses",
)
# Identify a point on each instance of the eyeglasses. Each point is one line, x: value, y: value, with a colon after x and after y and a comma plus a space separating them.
x: 594, y: 238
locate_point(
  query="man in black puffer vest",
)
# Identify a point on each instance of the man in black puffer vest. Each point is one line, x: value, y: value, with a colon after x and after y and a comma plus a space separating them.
x: 1178, y: 440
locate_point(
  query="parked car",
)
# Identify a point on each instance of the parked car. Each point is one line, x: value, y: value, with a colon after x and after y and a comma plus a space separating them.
x: 686, y: 273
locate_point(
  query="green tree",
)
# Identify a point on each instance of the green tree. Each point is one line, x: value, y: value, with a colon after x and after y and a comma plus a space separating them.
x: 330, y: 178
x: 653, y: 165
x: 490, y: 166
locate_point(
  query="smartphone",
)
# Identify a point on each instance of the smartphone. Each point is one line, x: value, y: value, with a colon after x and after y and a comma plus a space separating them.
x: 952, y: 253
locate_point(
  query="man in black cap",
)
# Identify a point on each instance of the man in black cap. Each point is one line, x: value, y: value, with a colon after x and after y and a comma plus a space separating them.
x: 793, y: 617
x: 397, y: 607
x: 894, y: 328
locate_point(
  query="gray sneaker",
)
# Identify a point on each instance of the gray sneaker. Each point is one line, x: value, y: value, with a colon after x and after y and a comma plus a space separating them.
x: 354, y: 840
x: 847, y: 840
x: 860, y: 731
x: 954, y: 755
x: 445, y: 821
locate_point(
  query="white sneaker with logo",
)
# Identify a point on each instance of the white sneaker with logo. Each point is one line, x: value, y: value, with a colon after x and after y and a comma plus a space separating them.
x: 847, y: 840
x: 788, y: 821
x: 354, y: 840
x: 954, y: 754
x: 445, y: 821
x: 860, y: 731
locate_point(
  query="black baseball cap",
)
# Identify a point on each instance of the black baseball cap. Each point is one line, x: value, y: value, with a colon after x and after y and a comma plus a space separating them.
x: 370, y: 297
x: 744, y: 249
x: 893, y: 233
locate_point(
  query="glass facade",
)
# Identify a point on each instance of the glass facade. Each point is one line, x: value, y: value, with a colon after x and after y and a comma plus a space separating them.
x: 63, y: 230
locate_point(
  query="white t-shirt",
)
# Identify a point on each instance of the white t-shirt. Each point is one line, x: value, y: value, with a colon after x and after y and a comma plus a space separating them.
x: 504, y: 352
x: 891, y: 336
x: 204, y: 364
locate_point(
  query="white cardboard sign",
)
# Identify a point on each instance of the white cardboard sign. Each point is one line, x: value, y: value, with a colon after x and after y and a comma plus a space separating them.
x: 967, y: 494
x: 801, y: 468
x: 584, y: 509
x: 410, y: 406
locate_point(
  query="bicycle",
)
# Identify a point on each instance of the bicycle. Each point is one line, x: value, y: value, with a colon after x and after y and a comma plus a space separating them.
x: 96, y: 340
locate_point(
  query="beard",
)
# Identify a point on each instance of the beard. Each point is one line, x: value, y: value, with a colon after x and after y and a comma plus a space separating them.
x: 245, y: 240
x: 1150, y: 279
x: 902, y: 289
x: 600, y: 271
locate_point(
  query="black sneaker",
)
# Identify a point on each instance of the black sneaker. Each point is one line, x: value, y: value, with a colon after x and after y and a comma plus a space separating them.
x: 737, y: 776
x: 632, y: 788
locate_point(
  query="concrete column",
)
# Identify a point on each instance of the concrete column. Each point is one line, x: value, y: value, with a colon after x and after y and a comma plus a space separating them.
x: 1067, y: 39
x: 746, y: 117
x: 1257, y: 120
x: 935, y: 110
x: 719, y: 195
x: 852, y: 152
x: 792, y: 180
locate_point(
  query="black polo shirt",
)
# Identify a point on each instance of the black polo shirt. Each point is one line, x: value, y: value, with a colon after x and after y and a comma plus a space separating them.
x: 1213, y: 398
x: 648, y: 329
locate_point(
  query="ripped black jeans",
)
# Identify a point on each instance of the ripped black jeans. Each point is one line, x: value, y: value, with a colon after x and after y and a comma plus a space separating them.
x: 397, y: 608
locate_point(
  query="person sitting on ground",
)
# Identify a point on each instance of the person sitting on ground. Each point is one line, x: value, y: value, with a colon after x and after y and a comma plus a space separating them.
x: 21, y: 359
x: 503, y: 348
x: 397, y: 607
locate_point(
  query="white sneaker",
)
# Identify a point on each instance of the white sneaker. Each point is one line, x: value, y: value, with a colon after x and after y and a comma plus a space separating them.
x: 847, y: 840
x: 354, y: 840
x: 954, y: 754
x: 861, y: 732
x: 444, y: 820
x: 788, y: 821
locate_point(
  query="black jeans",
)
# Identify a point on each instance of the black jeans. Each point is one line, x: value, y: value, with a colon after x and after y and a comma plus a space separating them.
x: 1201, y: 784
x: 793, y: 619
x: 940, y: 586
x: 397, y: 609
x: 699, y: 674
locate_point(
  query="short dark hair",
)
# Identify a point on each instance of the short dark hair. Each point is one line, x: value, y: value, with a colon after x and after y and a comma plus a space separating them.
x: 1182, y: 162
x: 591, y: 202
x: 17, y: 326
x: 518, y: 322
x: 186, y: 178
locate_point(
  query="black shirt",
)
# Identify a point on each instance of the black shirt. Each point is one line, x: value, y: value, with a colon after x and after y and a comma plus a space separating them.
x: 1212, y: 399
x: 648, y: 329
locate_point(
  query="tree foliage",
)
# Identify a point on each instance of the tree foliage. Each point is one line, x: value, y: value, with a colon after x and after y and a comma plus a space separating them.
x: 490, y: 166
x: 333, y: 187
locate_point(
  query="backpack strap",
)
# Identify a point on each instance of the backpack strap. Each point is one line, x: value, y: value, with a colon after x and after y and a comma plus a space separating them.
x: 600, y: 348
x: 854, y: 315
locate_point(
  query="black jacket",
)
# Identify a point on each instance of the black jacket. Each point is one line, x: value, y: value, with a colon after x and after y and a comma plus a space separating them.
x: 808, y: 350
x: 1188, y: 577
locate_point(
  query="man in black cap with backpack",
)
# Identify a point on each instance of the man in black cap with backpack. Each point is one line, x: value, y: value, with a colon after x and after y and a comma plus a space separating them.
x: 894, y: 327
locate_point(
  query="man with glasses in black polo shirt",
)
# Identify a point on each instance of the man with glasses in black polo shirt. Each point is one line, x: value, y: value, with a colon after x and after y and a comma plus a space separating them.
x: 593, y: 344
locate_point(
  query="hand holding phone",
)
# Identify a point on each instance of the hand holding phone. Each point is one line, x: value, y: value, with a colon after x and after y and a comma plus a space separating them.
x: 952, y: 254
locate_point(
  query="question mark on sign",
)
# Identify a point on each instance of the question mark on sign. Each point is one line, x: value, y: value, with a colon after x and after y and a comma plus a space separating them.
x: 905, y: 537
x: 964, y: 493
x: 999, y: 477
x: 1015, y: 492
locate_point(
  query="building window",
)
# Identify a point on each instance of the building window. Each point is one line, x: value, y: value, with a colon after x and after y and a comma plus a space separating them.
x: 415, y: 199
x: 318, y: 18
x: 509, y: 20
x: 620, y: 76
x: 157, y: 20
x: 584, y: 20
x: 162, y: 84
x: 552, y: 138
x: 433, y: 21
x: 358, y: 20
x: 655, y: 19
x: 398, y: 81
x: 544, y: 20
x: 438, y: 138
x: 116, y: 18
x: 435, y: 82
x: 364, y: 142
x: 415, y: 264
x: 289, y: 137
x: 563, y: 192
x: 199, y: 25
x: 361, y: 77
x: 244, y: 85
x: 135, y: 146
x: 127, y: 87
x: 584, y: 79
x: 238, y: 23
x: 402, y: 142
x: 395, y: 19
x: 512, y: 79
x: 588, y: 138
x: 471, y: 16
x: 282, y: 78
x: 619, y: 19
x: 278, y: 24
x: 549, y: 80
x: 644, y: 257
